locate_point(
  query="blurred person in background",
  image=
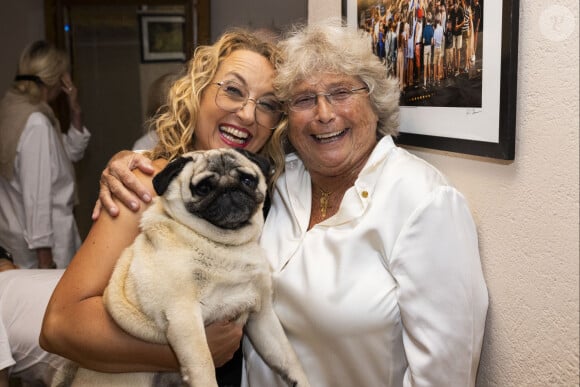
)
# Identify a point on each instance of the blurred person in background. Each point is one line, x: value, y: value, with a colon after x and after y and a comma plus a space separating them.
x: 37, y: 180
x: 156, y: 98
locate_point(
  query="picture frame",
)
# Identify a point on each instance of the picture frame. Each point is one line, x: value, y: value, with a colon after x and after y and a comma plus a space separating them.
x: 487, y: 129
x: 162, y: 37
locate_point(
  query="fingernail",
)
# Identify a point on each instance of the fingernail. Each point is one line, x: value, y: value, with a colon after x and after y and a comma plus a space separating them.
x: 113, y: 210
x: 133, y: 205
x: 147, y: 198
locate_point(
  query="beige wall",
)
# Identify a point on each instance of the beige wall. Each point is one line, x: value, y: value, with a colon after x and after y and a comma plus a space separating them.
x: 252, y: 13
x: 527, y: 214
x: 527, y: 210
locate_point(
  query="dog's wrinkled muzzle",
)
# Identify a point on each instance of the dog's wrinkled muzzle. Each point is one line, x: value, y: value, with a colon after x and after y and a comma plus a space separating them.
x: 231, y: 209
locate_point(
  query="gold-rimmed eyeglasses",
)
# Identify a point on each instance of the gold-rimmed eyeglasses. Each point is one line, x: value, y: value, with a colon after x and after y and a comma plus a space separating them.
x: 337, y: 96
x: 232, y: 97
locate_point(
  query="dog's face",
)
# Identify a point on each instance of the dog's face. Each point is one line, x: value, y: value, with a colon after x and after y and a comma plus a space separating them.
x: 225, y: 187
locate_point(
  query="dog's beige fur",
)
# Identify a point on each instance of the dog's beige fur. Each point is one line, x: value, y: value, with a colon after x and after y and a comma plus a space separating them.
x: 182, y: 272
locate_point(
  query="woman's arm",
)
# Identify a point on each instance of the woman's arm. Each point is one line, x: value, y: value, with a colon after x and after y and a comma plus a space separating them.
x: 442, y: 293
x: 70, y: 90
x: 76, y: 324
x: 76, y: 139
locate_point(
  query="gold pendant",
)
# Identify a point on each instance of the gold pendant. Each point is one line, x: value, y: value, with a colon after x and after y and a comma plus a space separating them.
x: 324, y: 203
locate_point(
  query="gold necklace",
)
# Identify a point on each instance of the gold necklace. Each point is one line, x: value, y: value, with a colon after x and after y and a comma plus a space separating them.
x: 324, y: 202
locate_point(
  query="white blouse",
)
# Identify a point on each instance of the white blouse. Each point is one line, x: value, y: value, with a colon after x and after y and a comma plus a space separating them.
x: 36, y: 206
x: 387, y: 292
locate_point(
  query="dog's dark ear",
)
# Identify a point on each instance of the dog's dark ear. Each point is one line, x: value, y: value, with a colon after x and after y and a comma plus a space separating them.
x: 259, y: 160
x: 162, y: 180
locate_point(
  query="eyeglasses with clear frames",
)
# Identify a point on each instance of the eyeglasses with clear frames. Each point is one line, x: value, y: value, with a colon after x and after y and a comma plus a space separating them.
x: 338, y: 96
x: 233, y: 97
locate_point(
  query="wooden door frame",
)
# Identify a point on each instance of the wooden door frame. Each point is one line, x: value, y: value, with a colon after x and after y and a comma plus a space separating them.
x: 197, y: 13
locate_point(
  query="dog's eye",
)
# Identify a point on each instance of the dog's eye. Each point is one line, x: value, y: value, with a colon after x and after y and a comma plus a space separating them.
x: 248, y: 180
x: 202, y: 188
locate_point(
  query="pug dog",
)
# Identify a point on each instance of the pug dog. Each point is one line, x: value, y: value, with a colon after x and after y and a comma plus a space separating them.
x: 197, y: 261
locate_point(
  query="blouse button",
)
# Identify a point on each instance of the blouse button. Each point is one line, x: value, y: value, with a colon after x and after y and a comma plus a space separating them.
x: 365, y: 194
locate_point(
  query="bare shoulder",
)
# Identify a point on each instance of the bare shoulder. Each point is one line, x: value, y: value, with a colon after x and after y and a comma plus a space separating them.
x: 159, y: 164
x: 147, y: 180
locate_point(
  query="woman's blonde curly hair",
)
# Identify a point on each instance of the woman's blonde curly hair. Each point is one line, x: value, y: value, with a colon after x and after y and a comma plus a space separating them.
x: 175, y: 122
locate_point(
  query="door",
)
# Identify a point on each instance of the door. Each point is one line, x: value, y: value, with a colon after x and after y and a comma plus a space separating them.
x: 105, y: 42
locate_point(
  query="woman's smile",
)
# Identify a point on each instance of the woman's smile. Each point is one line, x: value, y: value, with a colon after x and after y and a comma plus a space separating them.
x: 326, y: 138
x: 234, y: 136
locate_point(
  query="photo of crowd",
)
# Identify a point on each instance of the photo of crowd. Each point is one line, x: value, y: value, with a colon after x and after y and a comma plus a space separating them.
x: 433, y: 48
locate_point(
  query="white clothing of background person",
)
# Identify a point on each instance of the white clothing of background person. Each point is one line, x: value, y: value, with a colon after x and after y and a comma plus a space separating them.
x: 36, y: 206
x: 146, y: 141
x: 24, y: 295
x: 156, y: 98
x: 387, y: 292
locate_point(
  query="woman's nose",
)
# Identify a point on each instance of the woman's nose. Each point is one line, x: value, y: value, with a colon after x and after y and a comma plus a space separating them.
x: 324, y: 109
x: 247, y: 112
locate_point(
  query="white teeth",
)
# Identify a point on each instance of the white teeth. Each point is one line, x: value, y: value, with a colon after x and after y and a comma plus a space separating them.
x: 234, y: 132
x: 234, y: 139
x: 328, y: 135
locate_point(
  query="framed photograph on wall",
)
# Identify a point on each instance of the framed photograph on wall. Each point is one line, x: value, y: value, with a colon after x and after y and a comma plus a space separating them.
x: 162, y: 37
x: 465, y: 104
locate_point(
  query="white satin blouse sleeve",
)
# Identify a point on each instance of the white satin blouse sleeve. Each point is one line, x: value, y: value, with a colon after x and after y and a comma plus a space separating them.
x: 76, y: 142
x: 35, y: 174
x: 442, y: 295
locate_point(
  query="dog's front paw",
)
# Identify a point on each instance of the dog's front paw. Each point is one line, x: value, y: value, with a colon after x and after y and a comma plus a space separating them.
x: 202, y: 379
x: 300, y: 381
x: 297, y: 383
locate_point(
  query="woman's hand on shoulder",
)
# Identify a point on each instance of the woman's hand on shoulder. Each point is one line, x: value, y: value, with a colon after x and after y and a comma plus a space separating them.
x: 118, y: 181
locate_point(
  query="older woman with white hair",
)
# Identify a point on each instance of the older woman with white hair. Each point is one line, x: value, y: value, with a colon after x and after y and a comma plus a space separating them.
x: 375, y: 259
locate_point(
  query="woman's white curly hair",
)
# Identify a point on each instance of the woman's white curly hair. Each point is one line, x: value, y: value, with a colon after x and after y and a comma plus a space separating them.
x: 333, y: 47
